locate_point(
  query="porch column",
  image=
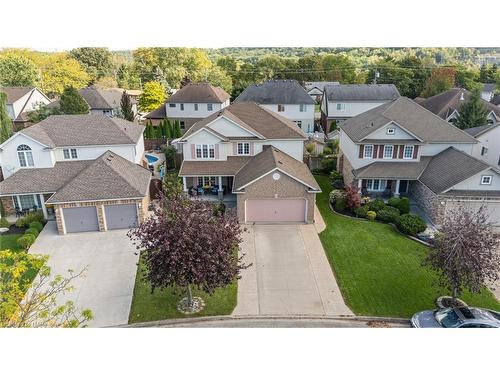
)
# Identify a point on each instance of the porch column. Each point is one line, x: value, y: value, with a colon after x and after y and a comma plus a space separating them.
x: 220, y: 191
x: 184, y: 184
x: 360, y: 184
x: 44, y: 209
x: 396, y: 191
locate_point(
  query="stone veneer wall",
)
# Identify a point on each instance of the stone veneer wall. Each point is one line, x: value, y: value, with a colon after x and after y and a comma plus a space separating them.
x: 8, y: 205
x: 346, y: 169
x: 141, y: 203
x: 267, y: 187
x: 428, y: 201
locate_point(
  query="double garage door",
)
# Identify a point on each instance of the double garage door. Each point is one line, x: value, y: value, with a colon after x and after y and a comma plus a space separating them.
x: 275, y: 210
x: 84, y: 219
x: 492, y: 208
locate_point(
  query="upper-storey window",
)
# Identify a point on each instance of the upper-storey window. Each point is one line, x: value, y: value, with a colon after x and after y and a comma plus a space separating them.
x: 210, y: 107
x: 302, y: 108
x: 195, y: 106
x: 25, y: 156
x: 281, y: 108
x: 408, y: 152
x: 368, y: 152
x: 340, y: 106
x: 388, y: 149
x: 70, y: 153
x: 243, y: 148
x: 205, y: 151
x: 182, y: 106
x: 171, y: 105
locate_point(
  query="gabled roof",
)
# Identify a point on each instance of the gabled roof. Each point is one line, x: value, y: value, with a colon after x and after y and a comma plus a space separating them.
x: 277, y: 91
x: 108, y: 177
x: 479, y: 130
x: 361, y: 92
x: 271, y: 159
x: 158, y: 113
x: 84, y: 130
x: 199, y: 93
x: 98, y: 98
x: 496, y: 100
x: 447, y: 102
x: 255, y: 119
x: 318, y: 85
x: 15, y: 93
x: 449, y: 168
x: 412, y: 117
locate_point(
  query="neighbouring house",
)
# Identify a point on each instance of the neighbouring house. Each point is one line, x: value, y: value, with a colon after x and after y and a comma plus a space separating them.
x: 106, y: 101
x: 341, y: 102
x: 488, y: 148
x: 287, y: 98
x: 488, y: 91
x: 254, y: 156
x: 190, y: 104
x: 447, y: 105
x: 496, y: 100
x: 81, y: 170
x: 400, y: 148
x: 316, y: 89
x: 21, y: 101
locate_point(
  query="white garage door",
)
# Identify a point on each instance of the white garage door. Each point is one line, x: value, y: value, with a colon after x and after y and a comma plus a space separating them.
x: 275, y: 210
x: 121, y: 216
x: 493, y: 208
x: 80, y: 219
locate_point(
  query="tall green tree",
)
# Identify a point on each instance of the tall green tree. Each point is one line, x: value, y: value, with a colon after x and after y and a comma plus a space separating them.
x: 5, y: 121
x: 153, y: 95
x: 440, y: 80
x: 473, y: 112
x: 16, y: 70
x: 72, y: 103
x: 168, y: 129
x: 96, y: 61
x: 177, y: 130
x: 126, y: 107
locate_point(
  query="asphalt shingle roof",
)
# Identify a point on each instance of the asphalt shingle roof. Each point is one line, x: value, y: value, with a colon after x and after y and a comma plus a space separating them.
x: 15, y: 93
x: 199, y: 93
x: 411, y: 116
x: 158, y: 113
x: 98, y: 98
x: 355, y: 92
x: 478, y: 130
x: 275, y: 92
x: 84, y: 130
x: 228, y: 167
x: 393, y: 170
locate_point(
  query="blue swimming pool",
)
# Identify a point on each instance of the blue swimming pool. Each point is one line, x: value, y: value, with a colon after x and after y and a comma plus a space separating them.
x: 151, y: 158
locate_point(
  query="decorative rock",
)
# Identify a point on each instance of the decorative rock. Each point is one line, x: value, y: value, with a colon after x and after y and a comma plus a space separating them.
x: 2, y: 230
x: 197, y: 305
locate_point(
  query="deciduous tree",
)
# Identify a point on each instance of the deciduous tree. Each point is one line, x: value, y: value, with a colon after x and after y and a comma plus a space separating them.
x: 6, y: 130
x: 96, y: 61
x: 17, y: 70
x: 153, y: 95
x: 440, y: 80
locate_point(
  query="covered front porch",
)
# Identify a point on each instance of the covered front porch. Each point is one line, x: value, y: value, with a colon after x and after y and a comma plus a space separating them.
x: 16, y: 206
x: 209, y: 187
x: 383, y: 188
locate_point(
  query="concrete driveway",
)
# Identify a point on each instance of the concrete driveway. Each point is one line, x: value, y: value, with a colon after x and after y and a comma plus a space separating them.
x: 290, y: 274
x: 108, y: 284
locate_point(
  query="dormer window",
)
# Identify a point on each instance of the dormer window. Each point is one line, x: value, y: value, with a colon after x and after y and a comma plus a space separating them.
x: 25, y: 156
x: 391, y: 131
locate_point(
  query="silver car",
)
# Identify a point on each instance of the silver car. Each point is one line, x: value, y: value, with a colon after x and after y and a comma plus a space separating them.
x: 462, y: 317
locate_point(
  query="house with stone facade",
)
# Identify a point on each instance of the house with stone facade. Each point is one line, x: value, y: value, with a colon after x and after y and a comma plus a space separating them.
x: 400, y: 148
x: 248, y: 155
x: 84, y: 171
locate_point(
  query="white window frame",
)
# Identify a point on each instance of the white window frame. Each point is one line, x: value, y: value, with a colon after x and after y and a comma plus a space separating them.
x: 171, y: 105
x: 207, y: 180
x: 244, y: 149
x: 205, y: 151
x: 408, y: 147
x: 281, y: 108
x: 365, y: 155
x: 340, y: 106
x: 210, y: 107
x: 489, y: 179
x: 387, y: 147
x: 381, y: 184
x: 302, y: 108
x: 391, y: 131
x: 182, y: 106
x: 196, y: 106
x: 70, y: 153
x: 25, y: 156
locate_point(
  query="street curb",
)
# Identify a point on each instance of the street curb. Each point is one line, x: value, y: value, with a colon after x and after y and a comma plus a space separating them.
x: 184, y: 321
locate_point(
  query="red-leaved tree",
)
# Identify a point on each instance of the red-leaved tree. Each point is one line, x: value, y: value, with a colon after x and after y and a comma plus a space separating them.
x: 466, y: 251
x: 188, y: 243
x: 352, y: 197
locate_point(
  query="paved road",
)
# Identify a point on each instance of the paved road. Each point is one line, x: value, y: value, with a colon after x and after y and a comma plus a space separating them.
x: 108, y: 284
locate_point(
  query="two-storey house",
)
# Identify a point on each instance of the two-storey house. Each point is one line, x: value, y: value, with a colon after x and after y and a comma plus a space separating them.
x: 247, y: 151
x: 316, y: 89
x: 287, y: 98
x: 82, y: 170
x: 190, y: 104
x: 341, y: 102
x: 21, y: 101
x: 400, y: 148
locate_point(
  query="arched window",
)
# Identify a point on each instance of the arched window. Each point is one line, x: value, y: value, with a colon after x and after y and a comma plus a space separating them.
x: 25, y: 156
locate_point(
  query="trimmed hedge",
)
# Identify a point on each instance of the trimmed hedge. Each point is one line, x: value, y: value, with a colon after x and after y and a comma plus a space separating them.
x: 37, y: 225
x: 388, y: 214
x: 26, y: 241
x: 340, y: 205
x: 32, y: 231
x: 25, y: 221
x: 402, y: 204
x: 362, y: 211
x: 371, y: 215
x: 411, y: 224
x: 376, y: 205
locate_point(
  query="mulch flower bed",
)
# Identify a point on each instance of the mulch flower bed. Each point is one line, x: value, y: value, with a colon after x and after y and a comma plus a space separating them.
x: 14, y: 230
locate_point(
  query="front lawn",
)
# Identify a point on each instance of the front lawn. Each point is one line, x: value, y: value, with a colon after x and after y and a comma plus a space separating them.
x: 162, y: 304
x: 379, y: 271
x: 8, y: 241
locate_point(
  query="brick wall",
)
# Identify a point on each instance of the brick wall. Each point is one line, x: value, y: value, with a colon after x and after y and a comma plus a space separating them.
x: 344, y: 166
x: 8, y: 205
x: 285, y: 187
x: 428, y: 201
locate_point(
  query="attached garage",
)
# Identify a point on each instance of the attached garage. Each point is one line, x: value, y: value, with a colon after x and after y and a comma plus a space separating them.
x: 275, y: 210
x: 492, y: 207
x: 80, y: 219
x: 120, y: 216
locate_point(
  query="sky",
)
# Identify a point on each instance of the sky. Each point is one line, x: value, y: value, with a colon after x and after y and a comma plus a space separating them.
x: 55, y: 25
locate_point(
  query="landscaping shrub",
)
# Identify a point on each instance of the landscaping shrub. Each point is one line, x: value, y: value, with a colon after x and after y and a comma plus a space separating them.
x: 337, y: 179
x: 376, y: 205
x: 37, y: 225
x: 32, y: 231
x: 26, y: 220
x: 353, y: 200
x: 26, y: 241
x: 327, y: 150
x: 404, y: 206
x: 411, y: 224
x: 388, y: 214
x: 362, y: 211
x: 336, y: 194
x: 4, y: 223
x: 219, y: 209
x: 328, y: 164
x: 371, y: 215
x: 394, y: 202
x: 340, y: 205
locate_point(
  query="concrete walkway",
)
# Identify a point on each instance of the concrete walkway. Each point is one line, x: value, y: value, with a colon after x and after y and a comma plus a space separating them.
x: 290, y: 274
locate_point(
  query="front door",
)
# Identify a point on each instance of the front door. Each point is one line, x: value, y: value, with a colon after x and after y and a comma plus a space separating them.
x: 403, y: 186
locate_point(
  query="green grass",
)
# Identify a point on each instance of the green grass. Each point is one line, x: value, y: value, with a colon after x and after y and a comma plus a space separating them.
x: 379, y: 271
x: 8, y: 241
x: 162, y: 304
